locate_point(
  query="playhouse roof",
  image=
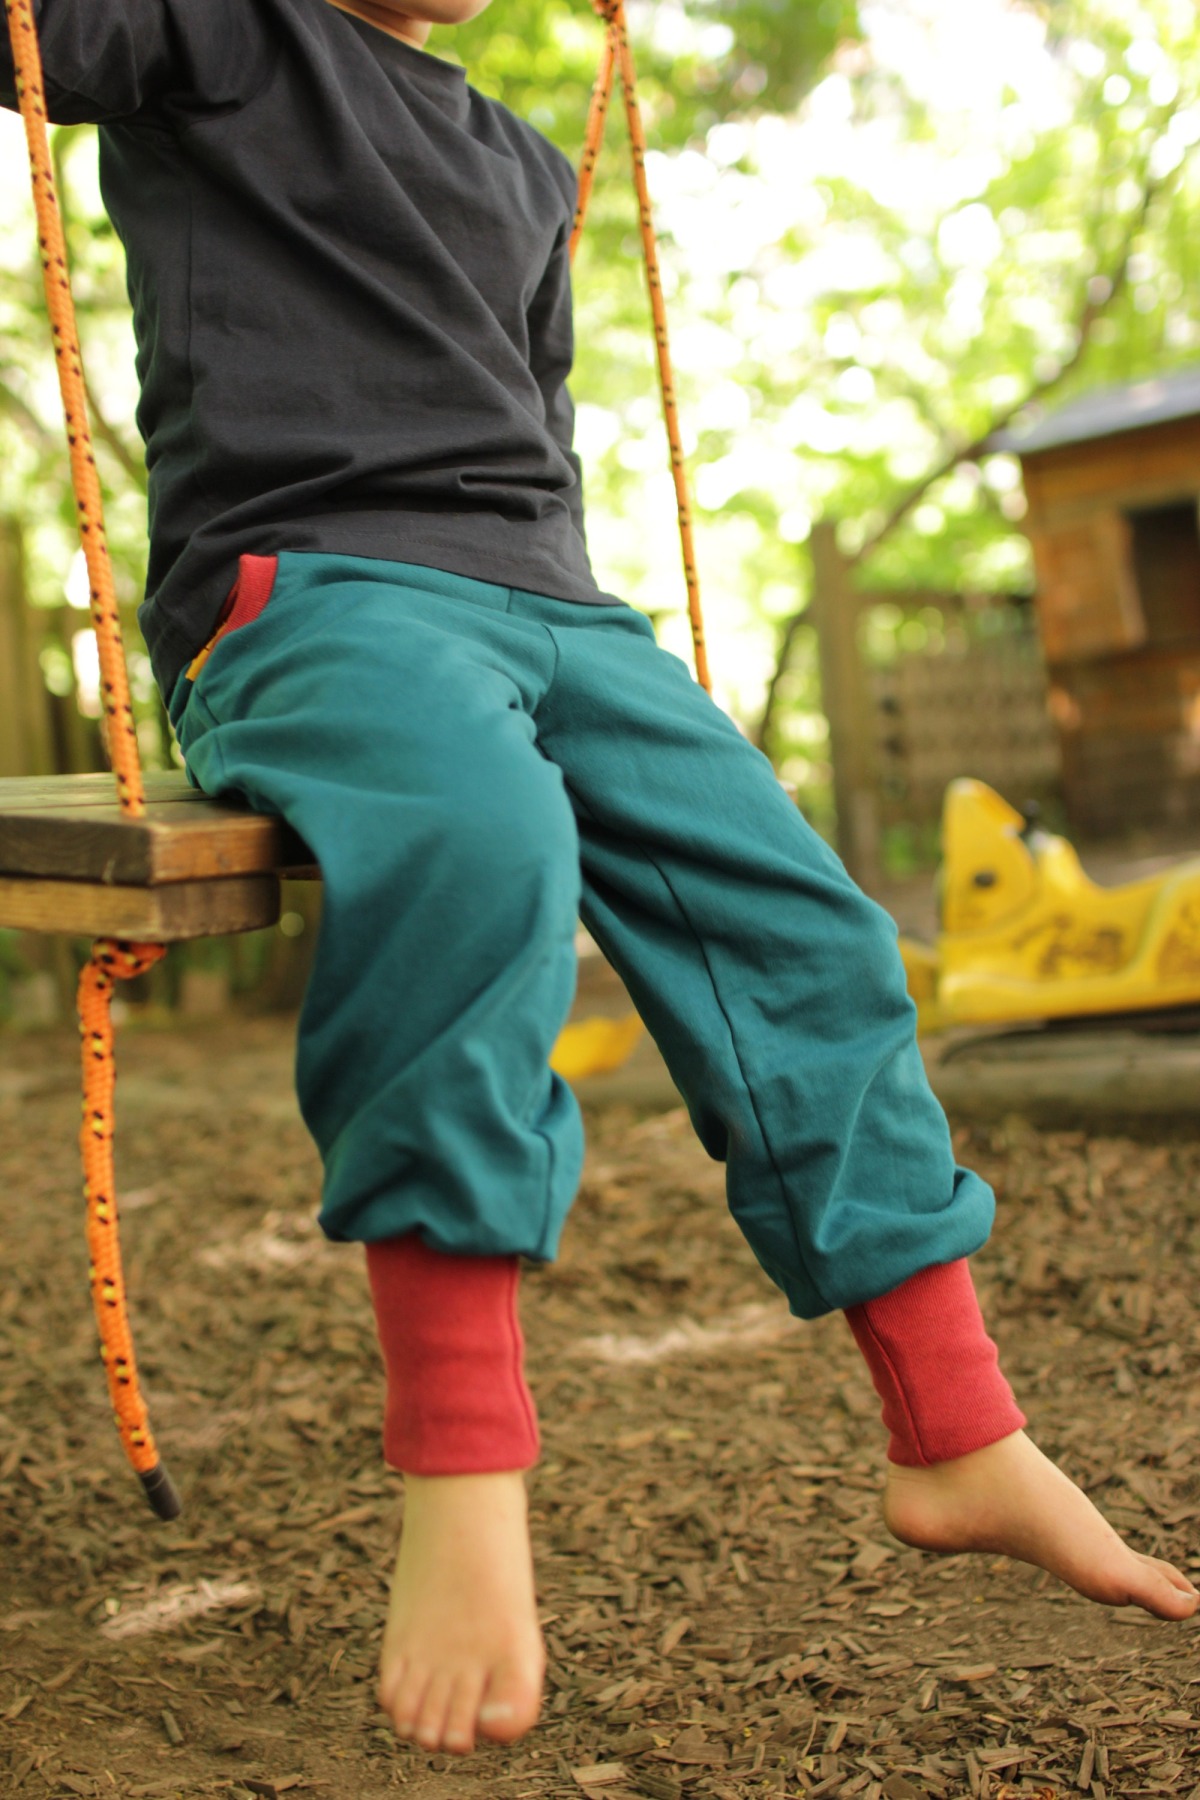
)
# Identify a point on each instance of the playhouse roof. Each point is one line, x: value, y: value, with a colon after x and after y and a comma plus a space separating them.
x: 1106, y: 412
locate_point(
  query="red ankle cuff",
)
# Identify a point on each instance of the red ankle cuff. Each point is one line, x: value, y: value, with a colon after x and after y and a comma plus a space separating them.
x: 934, y: 1367
x: 457, y: 1403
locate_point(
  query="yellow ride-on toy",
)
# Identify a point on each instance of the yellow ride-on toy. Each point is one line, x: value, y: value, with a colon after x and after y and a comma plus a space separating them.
x: 1026, y: 935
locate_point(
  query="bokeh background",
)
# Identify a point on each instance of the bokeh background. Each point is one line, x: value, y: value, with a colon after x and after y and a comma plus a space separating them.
x: 888, y: 228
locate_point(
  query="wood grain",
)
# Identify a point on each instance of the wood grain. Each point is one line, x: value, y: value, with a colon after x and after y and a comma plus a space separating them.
x: 39, y: 792
x: 161, y: 915
x: 72, y: 830
x: 1147, y: 467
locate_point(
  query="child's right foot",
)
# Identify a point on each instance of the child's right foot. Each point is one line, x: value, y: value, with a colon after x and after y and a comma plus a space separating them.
x: 462, y: 1652
x: 1012, y: 1499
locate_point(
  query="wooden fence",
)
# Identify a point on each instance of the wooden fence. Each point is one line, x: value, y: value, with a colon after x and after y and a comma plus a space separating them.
x: 972, y: 699
x: 973, y: 704
x: 43, y: 730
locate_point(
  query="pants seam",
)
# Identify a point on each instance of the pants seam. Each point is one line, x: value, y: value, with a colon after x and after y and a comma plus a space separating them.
x: 698, y: 940
x: 556, y: 653
x: 900, y: 1393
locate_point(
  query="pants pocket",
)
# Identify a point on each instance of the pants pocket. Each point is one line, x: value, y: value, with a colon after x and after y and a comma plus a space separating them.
x: 247, y: 601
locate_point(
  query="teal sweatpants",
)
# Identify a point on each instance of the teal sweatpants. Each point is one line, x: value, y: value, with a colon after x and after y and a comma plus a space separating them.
x: 474, y: 767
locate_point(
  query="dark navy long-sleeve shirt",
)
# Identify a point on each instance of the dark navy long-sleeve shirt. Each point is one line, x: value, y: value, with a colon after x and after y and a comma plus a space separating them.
x: 351, y: 298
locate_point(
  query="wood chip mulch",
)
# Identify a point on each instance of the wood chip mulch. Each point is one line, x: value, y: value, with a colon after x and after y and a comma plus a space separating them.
x: 726, y: 1615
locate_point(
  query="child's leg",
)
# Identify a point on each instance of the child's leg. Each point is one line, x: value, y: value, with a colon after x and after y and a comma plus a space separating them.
x: 775, y: 991
x: 385, y: 714
x: 462, y: 1651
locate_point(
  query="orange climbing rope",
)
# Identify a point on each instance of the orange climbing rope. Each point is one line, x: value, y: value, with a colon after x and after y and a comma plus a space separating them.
x: 123, y: 746
x: 618, y: 54
x: 110, y: 961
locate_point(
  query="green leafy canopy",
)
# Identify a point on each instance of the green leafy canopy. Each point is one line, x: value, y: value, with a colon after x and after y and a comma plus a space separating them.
x: 881, y: 229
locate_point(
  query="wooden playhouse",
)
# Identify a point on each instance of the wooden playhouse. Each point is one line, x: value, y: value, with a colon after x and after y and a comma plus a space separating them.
x: 1113, y: 487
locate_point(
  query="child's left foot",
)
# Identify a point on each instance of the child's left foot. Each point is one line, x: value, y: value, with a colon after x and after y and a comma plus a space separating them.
x: 1012, y: 1499
x: 462, y: 1651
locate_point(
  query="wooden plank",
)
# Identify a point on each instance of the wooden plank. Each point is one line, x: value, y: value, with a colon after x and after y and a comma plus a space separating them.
x: 163, y: 786
x: 214, y: 844
x: 163, y: 915
x: 1087, y: 595
x: 1064, y: 1077
x: 13, y: 748
x: 1136, y: 468
x: 74, y: 831
x: 24, y: 703
x: 846, y: 702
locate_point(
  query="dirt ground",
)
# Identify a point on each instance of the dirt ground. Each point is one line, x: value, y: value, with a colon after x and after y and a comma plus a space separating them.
x: 726, y: 1615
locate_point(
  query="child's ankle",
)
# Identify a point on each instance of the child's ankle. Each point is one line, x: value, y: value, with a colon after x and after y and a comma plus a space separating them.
x: 934, y: 1368
x: 457, y: 1400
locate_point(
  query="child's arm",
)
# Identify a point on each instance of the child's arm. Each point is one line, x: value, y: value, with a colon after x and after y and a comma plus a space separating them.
x: 107, y: 60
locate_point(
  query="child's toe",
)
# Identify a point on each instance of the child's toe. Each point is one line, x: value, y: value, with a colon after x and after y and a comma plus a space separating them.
x: 431, y: 1721
x: 510, y: 1706
x: 407, y: 1701
x: 462, y: 1713
x: 1163, y: 1589
x: 1180, y: 1582
x: 1183, y: 1591
x: 391, y: 1678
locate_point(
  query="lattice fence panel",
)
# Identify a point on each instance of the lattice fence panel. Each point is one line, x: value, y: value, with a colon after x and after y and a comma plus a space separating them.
x: 976, y: 705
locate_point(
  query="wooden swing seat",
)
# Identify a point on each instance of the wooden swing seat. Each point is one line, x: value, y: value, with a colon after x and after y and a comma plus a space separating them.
x: 191, y: 867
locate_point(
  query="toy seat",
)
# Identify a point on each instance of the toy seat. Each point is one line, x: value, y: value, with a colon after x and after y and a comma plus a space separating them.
x: 1026, y: 934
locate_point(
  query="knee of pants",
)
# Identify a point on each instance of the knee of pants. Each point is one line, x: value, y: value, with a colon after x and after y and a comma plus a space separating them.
x: 856, y: 961
x: 512, y: 837
x: 444, y: 970
x: 488, y: 866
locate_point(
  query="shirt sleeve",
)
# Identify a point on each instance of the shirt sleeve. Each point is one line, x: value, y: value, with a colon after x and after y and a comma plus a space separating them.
x: 551, y: 351
x: 108, y: 60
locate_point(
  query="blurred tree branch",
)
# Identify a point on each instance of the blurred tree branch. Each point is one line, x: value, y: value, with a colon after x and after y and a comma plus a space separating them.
x: 132, y: 465
x: 25, y: 417
x: 963, y: 450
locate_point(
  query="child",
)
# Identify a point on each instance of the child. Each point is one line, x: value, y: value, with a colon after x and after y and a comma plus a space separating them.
x: 371, y: 608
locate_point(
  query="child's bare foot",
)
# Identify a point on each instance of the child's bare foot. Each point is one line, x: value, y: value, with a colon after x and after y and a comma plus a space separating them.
x: 1011, y: 1498
x: 462, y: 1652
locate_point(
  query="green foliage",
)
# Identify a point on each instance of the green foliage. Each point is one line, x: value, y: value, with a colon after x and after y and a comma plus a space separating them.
x: 878, y: 235
x: 699, y: 61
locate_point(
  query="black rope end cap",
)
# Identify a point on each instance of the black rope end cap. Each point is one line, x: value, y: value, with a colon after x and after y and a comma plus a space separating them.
x: 161, y: 1492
